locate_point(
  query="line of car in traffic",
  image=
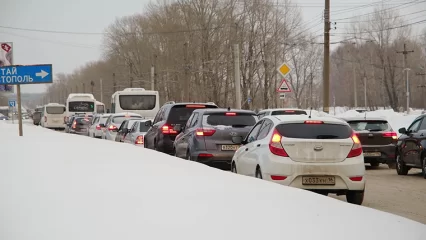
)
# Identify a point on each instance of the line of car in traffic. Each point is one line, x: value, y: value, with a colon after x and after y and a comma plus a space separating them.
x: 287, y: 146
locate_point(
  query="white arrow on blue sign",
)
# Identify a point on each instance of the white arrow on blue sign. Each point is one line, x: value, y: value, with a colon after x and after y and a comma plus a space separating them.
x: 12, y: 103
x: 32, y: 74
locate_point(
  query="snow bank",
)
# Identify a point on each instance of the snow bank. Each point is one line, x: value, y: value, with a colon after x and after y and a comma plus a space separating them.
x: 59, y: 186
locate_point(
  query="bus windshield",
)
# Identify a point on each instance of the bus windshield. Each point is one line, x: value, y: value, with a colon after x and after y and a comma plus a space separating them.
x: 81, y: 106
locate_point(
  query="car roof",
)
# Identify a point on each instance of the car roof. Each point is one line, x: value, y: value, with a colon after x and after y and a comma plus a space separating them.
x: 364, y: 119
x: 281, y: 109
x: 190, y: 103
x: 222, y: 110
x: 125, y: 114
x: 302, y: 118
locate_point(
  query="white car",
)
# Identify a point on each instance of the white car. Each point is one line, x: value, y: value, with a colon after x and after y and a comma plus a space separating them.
x: 320, y: 154
x: 280, y: 111
x: 96, y: 128
x: 114, y: 122
x: 137, y: 132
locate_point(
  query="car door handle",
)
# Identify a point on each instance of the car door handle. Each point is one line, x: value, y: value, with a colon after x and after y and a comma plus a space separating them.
x: 421, y: 135
x: 246, y: 149
x: 258, y: 145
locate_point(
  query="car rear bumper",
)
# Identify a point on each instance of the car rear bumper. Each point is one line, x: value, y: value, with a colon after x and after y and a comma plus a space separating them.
x: 218, y: 159
x: 54, y: 125
x: 387, y: 153
x: 296, y: 171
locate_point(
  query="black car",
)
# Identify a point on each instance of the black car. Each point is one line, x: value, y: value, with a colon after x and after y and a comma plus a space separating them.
x: 80, y: 125
x: 378, y: 140
x: 411, y: 146
x: 162, y: 134
x: 208, y: 135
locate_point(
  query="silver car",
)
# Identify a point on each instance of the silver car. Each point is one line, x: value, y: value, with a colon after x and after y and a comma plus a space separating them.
x: 114, y: 122
x: 95, y: 129
x: 137, y: 132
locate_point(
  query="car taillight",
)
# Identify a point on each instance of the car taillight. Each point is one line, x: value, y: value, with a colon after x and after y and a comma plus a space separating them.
x: 206, y: 132
x: 393, y: 135
x: 275, y: 145
x: 74, y: 124
x: 167, y: 129
x: 139, y: 140
x: 356, y: 149
x: 45, y: 119
x: 98, y: 127
x: 112, y: 128
x: 313, y: 122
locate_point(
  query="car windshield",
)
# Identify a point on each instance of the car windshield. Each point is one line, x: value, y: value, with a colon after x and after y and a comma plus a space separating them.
x: 369, y: 125
x: 120, y: 119
x: 314, y: 131
x: 238, y: 120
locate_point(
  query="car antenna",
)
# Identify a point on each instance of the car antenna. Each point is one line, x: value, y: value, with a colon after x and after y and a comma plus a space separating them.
x: 365, y: 115
x: 310, y: 113
x: 229, y: 108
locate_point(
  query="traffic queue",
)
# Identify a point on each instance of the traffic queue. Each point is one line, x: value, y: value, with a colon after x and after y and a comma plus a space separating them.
x: 326, y: 155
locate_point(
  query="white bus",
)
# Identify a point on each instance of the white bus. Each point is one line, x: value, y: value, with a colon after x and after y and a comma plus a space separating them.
x: 136, y: 100
x: 100, y: 107
x: 52, y: 116
x: 83, y: 103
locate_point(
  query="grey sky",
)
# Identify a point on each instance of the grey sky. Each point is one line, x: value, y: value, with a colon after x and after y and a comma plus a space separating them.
x: 69, y: 51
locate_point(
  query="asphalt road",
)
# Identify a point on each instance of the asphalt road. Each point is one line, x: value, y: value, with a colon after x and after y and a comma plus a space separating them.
x: 400, y: 195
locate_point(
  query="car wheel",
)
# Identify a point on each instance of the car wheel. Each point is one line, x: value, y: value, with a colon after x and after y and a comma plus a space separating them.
x: 233, y: 168
x: 259, y: 173
x: 401, y: 169
x: 374, y: 164
x: 424, y: 167
x: 355, y: 197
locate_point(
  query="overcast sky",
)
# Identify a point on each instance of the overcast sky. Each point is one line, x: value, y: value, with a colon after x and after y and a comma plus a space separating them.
x: 69, y: 51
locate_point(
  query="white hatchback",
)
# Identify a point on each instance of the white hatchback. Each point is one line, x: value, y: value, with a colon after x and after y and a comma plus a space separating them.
x: 320, y: 154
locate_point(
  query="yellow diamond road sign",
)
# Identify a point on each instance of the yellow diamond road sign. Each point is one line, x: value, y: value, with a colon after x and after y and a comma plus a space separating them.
x: 284, y: 69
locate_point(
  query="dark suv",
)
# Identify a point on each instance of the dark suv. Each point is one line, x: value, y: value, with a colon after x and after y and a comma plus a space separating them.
x: 207, y: 136
x: 167, y: 123
x: 377, y: 138
x: 411, y: 151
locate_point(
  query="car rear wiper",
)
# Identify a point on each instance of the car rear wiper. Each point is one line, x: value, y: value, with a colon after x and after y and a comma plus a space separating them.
x: 239, y: 125
x: 326, y: 136
x: 374, y: 130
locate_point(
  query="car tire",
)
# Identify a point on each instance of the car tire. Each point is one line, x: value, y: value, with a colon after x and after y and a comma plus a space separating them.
x: 259, y: 173
x: 355, y: 197
x: 188, y: 156
x: 424, y: 167
x: 233, y: 168
x: 401, y: 168
x: 374, y: 164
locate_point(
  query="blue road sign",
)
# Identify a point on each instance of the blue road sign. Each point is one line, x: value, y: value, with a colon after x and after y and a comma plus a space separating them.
x: 249, y: 100
x: 32, y: 74
x: 12, y: 103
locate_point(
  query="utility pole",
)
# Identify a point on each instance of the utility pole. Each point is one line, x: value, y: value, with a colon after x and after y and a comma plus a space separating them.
x: 114, y: 84
x: 326, y: 70
x: 311, y: 83
x: 355, y: 91
x: 84, y: 87
x: 102, y: 89
x: 237, y: 76
x: 131, y: 73
x: 152, y: 77
x: 405, y: 52
x: 92, y: 85
x: 365, y: 92
x: 186, y: 70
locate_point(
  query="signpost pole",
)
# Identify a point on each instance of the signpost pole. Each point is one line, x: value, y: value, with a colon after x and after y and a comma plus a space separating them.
x: 18, y: 96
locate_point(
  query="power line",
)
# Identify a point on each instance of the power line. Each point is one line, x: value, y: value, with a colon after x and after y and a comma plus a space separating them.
x: 408, y: 14
x: 402, y: 26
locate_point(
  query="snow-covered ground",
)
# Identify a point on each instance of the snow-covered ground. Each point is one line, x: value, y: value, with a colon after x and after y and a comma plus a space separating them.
x: 61, y: 186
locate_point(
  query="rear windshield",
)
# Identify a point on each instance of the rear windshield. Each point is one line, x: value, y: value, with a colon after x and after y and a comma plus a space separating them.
x: 85, y: 121
x: 314, y: 131
x: 369, y: 125
x: 289, y: 112
x: 179, y: 114
x: 120, y: 119
x: 234, y: 121
x: 143, y: 128
x: 103, y: 119
x: 55, y: 110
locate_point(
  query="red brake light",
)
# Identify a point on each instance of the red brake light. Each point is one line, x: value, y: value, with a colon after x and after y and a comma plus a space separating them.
x: 279, y: 178
x: 313, y: 122
x: 356, y: 148
x: 205, y: 155
x: 74, y: 124
x: 393, y: 135
x: 167, y: 129
x: 206, y: 132
x: 195, y: 106
x: 45, y: 119
x: 139, y: 140
x: 275, y: 144
x: 112, y: 127
x: 356, y: 179
x: 231, y: 114
x: 98, y: 127
x: 289, y: 111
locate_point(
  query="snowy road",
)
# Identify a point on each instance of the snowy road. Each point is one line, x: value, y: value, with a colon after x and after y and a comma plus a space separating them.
x: 401, y: 195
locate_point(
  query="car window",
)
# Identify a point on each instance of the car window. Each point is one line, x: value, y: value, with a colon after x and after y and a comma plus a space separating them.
x: 120, y: 119
x: 179, y: 114
x: 314, y: 131
x: 289, y: 112
x: 264, y: 130
x: 194, y: 120
x: 143, y: 127
x: 227, y: 119
x: 158, y: 116
x: 415, y: 125
x: 83, y: 121
x: 188, y: 123
x: 123, y: 124
x: 253, y: 133
x: 423, y: 125
x: 369, y: 125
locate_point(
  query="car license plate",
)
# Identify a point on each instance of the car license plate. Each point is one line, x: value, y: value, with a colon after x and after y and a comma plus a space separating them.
x: 82, y: 130
x: 319, y: 180
x: 230, y: 147
x: 372, y: 154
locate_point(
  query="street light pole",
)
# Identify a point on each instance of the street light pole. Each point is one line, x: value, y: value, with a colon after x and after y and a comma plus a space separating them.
x: 407, y: 90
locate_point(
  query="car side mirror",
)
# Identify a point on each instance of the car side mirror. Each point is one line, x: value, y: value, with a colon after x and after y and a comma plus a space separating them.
x: 402, y: 131
x: 148, y: 123
x: 177, y: 128
x: 238, y: 140
x: 101, y: 125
